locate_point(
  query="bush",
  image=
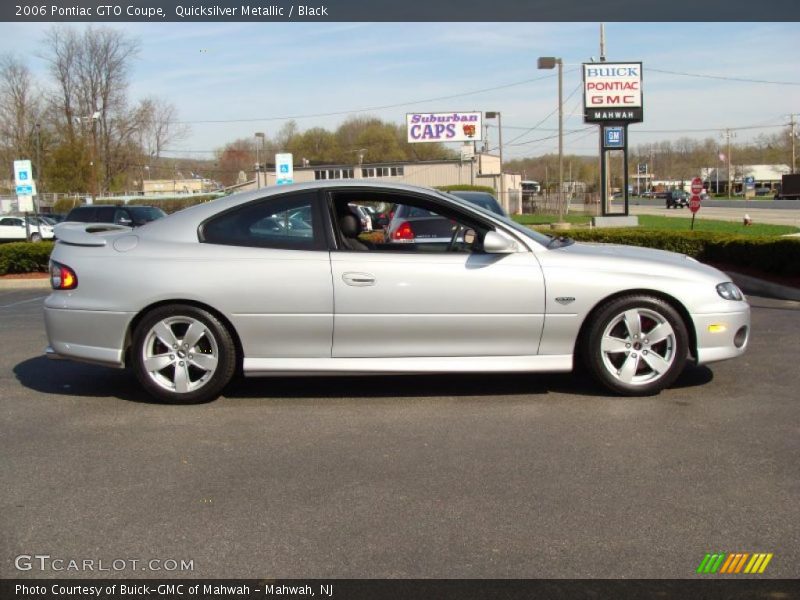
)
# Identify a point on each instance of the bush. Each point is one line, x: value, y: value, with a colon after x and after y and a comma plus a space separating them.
x: 780, y: 255
x: 168, y: 205
x: 465, y: 187
x: 24, y: 257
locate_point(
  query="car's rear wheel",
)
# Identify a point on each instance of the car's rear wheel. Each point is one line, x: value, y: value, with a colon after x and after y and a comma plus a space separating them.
x: 183, y: 354
x: 636, y: 345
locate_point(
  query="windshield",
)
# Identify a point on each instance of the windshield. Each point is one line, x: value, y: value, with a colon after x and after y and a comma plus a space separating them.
x: 537, y: 237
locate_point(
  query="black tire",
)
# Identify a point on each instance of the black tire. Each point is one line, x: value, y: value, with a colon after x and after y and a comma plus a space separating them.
x: 187, y: 375
x: 633, y: 366
x: 35, y: 238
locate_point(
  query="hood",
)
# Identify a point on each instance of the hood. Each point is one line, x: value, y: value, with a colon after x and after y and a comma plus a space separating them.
x: 635, y: 259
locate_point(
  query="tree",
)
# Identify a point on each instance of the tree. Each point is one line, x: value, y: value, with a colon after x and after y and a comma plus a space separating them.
x: 159, y: 126
x: 91, y: 71
x: 20, y: 111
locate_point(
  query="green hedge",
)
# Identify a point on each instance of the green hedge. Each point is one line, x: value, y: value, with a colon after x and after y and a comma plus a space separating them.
x: 24, y: 257
x: 780, y: 255
x: 168, y: 205
x: 465, y: 187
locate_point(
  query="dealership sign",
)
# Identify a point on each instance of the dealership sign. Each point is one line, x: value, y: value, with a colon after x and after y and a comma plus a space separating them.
x: 443, y: 127
x: 612, y: 92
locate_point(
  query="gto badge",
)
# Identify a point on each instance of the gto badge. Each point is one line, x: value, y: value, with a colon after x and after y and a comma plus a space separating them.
x: 565, y: 300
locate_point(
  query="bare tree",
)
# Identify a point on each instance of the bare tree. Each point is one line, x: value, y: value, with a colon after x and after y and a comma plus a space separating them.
x: 160, y: 127
x: 20, y: 110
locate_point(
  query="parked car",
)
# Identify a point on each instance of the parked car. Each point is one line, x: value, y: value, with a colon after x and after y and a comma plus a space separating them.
x: 677, y: 199
x: 189, y: 300
x: 131, y: 216
x: 483, y: 199
x: 13, y: 229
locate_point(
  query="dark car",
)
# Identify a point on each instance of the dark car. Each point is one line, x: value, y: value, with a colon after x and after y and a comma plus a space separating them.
x: 132, y: 216
x: 677, y: 199
x: 482, y: 199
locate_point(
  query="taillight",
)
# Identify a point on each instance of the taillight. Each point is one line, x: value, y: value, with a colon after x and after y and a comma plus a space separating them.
x: 404, y: 232
x: 62, y: 277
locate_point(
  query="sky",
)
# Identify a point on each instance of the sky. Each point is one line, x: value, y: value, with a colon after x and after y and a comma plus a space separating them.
x: 257, y: 75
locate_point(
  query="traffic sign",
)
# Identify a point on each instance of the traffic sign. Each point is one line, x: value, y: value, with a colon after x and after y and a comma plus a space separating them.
x: 694, y: 203
x: 697, y: 186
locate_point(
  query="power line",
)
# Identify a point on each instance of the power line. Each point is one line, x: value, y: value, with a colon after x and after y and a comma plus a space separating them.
x: 723, y: 77
x: 371, y: 108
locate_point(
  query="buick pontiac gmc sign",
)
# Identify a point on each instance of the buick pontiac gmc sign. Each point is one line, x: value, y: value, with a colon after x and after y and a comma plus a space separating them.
x: 612, y: 92
x: 443, y: 127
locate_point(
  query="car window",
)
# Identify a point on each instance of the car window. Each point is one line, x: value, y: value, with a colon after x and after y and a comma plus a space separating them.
x: 288, y: 223
x: 105, y: 214
x: 83, y: 213
x: 11, y: 222
x: 417, y: 225
x: 145, y: 214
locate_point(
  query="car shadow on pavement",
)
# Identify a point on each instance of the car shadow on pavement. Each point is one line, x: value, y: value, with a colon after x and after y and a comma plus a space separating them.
x: 68, y: 378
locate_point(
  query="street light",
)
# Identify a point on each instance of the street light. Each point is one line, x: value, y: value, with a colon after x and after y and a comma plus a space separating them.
x: 550, y: 62
x: 493, y: 114
x: 259, y: 134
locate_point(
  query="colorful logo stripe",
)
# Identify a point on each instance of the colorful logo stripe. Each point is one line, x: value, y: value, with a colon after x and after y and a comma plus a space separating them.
x: 734, y: 563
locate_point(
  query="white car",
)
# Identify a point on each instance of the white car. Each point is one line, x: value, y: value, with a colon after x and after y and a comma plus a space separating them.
x: 13, y: 229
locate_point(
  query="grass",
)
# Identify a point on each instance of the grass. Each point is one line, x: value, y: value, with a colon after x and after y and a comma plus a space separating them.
x: 671, y: 224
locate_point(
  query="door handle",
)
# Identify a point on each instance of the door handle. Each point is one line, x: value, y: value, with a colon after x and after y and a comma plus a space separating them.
x: 359, y: 279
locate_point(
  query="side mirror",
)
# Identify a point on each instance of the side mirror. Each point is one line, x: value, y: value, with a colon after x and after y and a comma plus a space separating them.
x: 494, y: 243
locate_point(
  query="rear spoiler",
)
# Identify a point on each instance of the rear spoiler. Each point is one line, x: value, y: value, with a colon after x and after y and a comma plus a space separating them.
x: 86, y: 234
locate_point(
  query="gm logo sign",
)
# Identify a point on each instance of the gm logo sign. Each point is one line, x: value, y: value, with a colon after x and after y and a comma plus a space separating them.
x: 733, y: 563
x: 613, y: 137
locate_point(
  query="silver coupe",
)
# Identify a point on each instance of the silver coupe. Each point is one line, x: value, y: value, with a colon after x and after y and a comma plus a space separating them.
x: 283, y: 281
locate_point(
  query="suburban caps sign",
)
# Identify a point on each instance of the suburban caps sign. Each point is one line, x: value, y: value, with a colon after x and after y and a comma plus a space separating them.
x: 443, y: 127
x: 612, y: 92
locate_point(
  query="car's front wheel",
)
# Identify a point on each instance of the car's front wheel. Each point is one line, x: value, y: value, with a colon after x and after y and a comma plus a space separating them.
x: 636, y: 345
x: 35, y: 238
x: 183, y: 354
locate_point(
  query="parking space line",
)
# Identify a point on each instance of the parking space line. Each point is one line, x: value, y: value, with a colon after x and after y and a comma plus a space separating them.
x: 23, y: 301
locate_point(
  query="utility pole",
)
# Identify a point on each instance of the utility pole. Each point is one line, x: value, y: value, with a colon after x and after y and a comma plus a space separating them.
x: 793, y: 135
x: 728, y: 135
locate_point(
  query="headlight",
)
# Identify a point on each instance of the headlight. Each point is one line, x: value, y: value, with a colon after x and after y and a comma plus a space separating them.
x: 730, y: 291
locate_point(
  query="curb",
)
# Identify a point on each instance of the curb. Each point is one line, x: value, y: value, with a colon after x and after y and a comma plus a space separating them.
x: 759, y: 287
x: 22, y: 284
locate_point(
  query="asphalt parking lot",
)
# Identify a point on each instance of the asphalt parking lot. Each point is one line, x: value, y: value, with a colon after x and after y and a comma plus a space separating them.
x: 437, y: 476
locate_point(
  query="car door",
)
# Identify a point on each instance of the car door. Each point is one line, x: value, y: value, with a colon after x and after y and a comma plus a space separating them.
x: 267, y: 266
x: 395, y: 303
x: 12, y: 228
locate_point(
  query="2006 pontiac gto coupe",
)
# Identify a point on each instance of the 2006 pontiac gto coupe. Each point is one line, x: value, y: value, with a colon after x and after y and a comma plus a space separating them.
x: 279, y: 281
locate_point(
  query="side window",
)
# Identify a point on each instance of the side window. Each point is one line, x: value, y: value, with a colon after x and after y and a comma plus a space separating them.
x: 285, y: 222
x: 122, y: 217
x: 105, y: 214
x: 411, y: 224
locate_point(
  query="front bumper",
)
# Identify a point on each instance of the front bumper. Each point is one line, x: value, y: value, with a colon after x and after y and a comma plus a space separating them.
x: 721, y: 335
